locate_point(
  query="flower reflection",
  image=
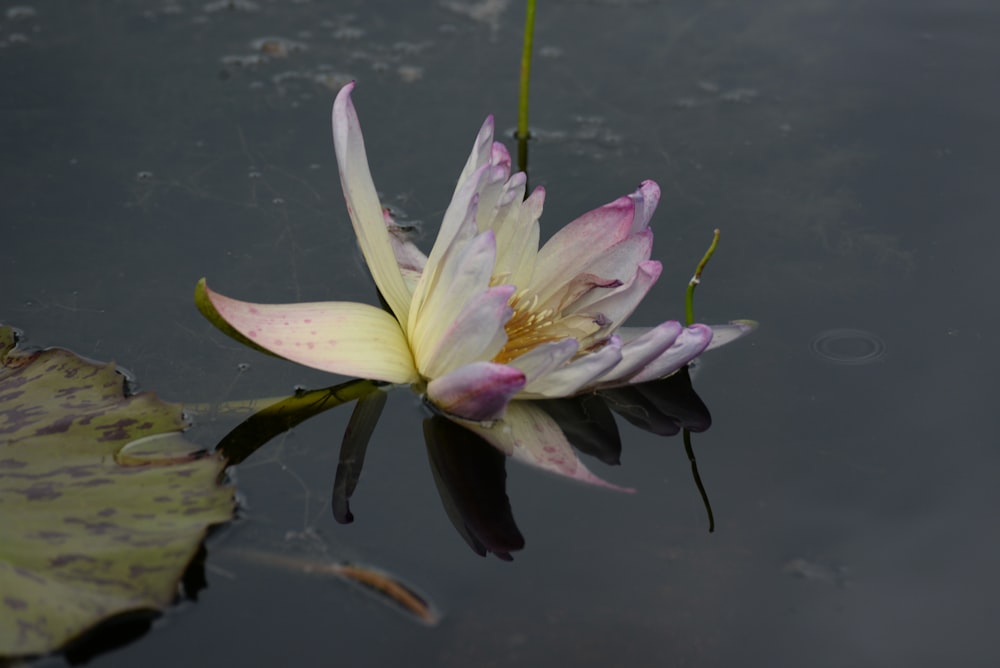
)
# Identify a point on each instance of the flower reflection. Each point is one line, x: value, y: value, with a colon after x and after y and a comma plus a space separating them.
x: 468, y: 460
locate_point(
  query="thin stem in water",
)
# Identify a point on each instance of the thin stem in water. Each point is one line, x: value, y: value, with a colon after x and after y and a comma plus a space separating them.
x: 697, y: 479
x: 522, y: 107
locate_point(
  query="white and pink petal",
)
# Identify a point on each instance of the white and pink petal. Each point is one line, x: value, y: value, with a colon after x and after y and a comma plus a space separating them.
x: 690, y: 343
x: 363, y: 205
x: 577, y: 374
x: 478, y: 392
x: 576, y: 246
x: 529, y: 434
x: 545, y: 358
x: 723, y: 334
x: 339, y: 337
x: 462, y: 276
x: 475, y: 335
x: 640, y: 349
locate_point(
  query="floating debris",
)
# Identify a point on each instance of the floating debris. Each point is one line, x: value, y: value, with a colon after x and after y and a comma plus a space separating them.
x: 388, y: 587
x: 276, y: 47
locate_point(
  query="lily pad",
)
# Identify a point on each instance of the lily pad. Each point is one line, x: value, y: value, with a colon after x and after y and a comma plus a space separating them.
x: 103, y: 503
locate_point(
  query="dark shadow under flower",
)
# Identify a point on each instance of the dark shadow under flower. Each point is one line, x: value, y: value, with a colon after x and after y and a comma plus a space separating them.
x: 468, y: 460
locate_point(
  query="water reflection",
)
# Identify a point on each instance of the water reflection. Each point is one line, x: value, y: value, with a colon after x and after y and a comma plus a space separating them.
x: 469, y: 461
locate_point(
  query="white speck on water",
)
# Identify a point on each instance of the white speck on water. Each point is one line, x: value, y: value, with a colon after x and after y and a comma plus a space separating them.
x: 410, y: 73
x: 739, y: 95
x: 348, y: 32
x: 277, y: 47
x: 20, y: 12
x: 232, y: 6
x: 248, y: 60
x: 485, y: 11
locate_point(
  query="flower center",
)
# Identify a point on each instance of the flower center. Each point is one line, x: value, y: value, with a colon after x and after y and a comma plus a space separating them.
x: 528, y: 327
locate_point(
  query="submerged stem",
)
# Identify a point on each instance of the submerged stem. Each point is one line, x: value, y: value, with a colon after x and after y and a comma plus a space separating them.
x: 697, y: 479
x: 696, y: 279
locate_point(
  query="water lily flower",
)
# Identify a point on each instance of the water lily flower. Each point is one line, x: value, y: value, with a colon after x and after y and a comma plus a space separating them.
x: 487, y: 317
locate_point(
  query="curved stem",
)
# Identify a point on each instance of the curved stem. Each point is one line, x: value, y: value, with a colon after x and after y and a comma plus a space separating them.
x: 696, y: 279
x: 697, y: 479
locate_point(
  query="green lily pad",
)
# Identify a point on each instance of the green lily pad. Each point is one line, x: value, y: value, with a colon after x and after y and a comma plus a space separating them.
x: 103, y: 503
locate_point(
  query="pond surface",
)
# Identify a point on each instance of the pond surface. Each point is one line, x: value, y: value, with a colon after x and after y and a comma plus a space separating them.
x: 847, y: 151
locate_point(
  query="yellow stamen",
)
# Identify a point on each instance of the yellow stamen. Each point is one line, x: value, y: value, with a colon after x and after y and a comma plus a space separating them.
x: 527, y: 328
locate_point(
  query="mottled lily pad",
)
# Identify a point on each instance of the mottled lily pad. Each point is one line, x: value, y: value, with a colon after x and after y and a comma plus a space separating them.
x: 103, y: 503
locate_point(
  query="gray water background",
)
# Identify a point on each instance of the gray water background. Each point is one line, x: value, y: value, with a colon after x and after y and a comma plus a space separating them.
x: 847, y: 150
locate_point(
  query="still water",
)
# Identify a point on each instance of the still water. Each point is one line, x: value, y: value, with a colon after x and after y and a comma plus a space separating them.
x: 847, y: 151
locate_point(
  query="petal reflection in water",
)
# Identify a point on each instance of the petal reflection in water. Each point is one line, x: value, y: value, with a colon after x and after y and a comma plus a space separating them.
x: 661, y: 407
x: 471, y: 478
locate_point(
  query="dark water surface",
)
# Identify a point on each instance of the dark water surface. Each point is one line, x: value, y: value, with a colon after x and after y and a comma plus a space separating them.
x: 848, y: 152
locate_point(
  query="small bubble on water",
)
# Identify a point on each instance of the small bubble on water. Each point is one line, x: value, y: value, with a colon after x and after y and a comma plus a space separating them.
x: 143, y: 176
x: 243, y: 367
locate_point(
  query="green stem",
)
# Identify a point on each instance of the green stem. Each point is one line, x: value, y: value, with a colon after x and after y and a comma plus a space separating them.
x: 522, y: 107
x: 696, y: 279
